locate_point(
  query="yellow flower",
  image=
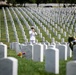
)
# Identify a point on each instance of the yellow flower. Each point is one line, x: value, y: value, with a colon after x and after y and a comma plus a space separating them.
x: 20, y: 54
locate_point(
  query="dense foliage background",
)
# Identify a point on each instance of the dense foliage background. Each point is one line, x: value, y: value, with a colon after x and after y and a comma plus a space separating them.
x: 40, y: 1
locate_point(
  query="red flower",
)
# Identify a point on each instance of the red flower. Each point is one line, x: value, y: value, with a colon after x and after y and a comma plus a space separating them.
x: 23, y: 53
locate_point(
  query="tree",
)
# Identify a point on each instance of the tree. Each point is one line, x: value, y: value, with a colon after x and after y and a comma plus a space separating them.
x: 38, y: 2
x: 12, y: 2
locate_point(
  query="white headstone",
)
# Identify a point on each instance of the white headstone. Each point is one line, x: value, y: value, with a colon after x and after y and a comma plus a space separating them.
x: 17, y: 47
x: 70, y: 31
x: 53, y: 30
x: 44, y: 48
x: 59, y: 36
x: 8, y: 66
x: 52, y: 60
x: 56, y: 26
x: 28, y: 49
x: 63, y: 26
x: 64, y: 34
x: 69, y: 51
x: 74, y: 52
x: 61, y: 30
x: 50, y: 36
x: 41, y: 35
x: 71, y: 68
x: 62, y: 40
x: 47, y: 32
x: 13, y: 46
x: 53, y: 40
x: 38, y: 52
x: 3, y: 50
x: 50, y: 27
x: 56, y: 33
x: 67, y: 29
x: 45, y: 29
x: 71, y: 26
x: 62, y: 52
x: 51, y: 46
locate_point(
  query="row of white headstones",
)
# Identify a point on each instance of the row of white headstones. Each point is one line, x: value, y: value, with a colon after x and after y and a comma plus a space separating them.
x: 41, y: 19
x: 52, y: 53
x: 38, y: 19
x: 8, y: 65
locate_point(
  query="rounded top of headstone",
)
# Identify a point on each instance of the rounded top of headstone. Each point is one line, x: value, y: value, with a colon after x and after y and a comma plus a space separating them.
x: 74, y: 47
x: 51, y: 46
x: 53, y: 43
x: 72, y: 62
x: 62, y: 45
x: 39, y: 43
x: 22, y: 44
x: 10, y: 59
x: 1, y: 42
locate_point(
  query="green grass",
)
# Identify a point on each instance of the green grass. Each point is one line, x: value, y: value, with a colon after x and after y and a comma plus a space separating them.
x: 26, y: 67
x: 29, y: 67
x: 2, y: 27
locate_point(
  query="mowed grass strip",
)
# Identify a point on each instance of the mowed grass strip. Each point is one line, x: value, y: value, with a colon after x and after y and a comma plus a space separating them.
x: 2, y: 27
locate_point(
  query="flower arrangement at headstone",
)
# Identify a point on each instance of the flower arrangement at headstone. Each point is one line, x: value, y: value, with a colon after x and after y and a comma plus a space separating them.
x: 21, y: 54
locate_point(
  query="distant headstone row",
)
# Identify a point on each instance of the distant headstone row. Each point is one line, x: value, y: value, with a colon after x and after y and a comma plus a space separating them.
x: 50, y: 20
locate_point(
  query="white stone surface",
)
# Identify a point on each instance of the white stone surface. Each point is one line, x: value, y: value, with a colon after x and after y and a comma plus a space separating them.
x: 28, y: 49
x: 51, y: 46
x: 44, y: 48
x: 74, y: 52
x: 69, y: 51
x: 62, y: 52
x: 52, y: 60
x: 38, y: 52
x: 71, y: 68
x: 12, y: 45
x: 3, y: 50
x: 8, y: 66
x: 62, y: 40
x: 17, y: 47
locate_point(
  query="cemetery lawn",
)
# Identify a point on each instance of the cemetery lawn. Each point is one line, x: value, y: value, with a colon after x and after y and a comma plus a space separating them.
x: 26, y: 67
x: 29, y: 67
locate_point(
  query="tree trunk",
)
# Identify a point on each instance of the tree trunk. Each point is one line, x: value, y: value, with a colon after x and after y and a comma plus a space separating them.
x: 37, y: 4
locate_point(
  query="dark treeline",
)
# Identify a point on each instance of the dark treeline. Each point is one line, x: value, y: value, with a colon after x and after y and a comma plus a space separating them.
x: 40, y: 1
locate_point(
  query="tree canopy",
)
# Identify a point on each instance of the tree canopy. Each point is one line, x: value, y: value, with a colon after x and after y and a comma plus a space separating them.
x: 41, y: 1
